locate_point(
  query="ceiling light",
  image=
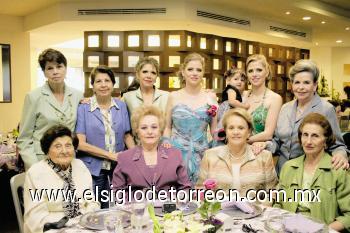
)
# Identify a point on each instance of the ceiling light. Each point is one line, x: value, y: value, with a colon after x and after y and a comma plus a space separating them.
x: 347, y: 28
x: 306, y: 18
x: 339, y: 41
x: 287, y: 12
x: 316, y: 43
x: 323, y: 22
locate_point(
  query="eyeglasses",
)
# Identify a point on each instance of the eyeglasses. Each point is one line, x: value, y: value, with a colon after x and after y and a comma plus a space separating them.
x: 248, y: 228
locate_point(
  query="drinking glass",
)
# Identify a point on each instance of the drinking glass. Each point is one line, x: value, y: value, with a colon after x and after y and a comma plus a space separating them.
x: 112, y: 222
x: 182, y: 201
x: 138, y: 210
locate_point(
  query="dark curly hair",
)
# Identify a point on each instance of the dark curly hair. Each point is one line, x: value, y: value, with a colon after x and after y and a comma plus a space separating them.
x: 55, y: 132
x: 51, y: 55
x: 318, y: 119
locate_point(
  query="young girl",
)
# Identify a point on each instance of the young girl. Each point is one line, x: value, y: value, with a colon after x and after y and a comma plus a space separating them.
x: 231, y: 96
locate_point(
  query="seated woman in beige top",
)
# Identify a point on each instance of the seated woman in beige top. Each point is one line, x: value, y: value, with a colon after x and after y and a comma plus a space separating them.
x: 234, y: 166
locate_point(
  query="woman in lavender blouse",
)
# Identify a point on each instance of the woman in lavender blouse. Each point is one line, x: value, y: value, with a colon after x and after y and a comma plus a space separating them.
x: 150, y: 164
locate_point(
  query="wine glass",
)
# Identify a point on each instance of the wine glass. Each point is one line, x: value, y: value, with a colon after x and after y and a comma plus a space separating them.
x: 111, y: 222
x: 182, y: 201
x: 138, y: 210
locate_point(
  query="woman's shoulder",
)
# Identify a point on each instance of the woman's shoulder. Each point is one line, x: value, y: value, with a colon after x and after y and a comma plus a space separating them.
x: 271, y: 95
x: 215, y: 151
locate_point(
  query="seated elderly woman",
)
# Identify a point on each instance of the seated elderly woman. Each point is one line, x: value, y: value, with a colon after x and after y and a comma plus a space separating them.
x: 234, y: 166
x: 59, y: 172
x: 314, y: 171
x: 150, y: 164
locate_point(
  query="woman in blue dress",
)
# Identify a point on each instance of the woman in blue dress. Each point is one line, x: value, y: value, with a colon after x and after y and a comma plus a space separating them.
x: 190, y: 111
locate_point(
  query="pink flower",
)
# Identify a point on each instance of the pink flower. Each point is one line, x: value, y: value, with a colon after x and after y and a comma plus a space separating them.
x: 210, y: 184
x: 212, y: 109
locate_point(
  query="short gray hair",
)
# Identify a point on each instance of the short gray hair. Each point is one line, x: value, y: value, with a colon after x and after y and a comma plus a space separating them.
x: 304, y: 65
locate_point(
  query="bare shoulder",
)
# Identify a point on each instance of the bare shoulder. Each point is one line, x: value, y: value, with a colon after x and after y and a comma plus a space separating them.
x: 273, y: 97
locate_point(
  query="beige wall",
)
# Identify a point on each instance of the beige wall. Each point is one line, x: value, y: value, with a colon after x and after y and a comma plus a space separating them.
x: 11, y: 32
x: 331, y: 63
x: 340, y: 56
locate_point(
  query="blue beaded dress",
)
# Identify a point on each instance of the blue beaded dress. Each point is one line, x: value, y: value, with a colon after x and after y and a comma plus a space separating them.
x: 189, y: 134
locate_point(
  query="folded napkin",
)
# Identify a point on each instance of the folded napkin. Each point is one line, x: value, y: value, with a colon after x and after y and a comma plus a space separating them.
x: 299, y: 223
x: 243, y: 206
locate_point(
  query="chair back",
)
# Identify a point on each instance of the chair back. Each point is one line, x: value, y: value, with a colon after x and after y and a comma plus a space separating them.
x: 17, y: 183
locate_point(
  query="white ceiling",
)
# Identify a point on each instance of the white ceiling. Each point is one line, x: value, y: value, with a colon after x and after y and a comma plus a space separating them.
x: 336, y: 14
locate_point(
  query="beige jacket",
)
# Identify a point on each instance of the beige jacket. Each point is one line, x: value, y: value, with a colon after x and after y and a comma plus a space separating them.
x: 256, y: 172
x: 133, y: 99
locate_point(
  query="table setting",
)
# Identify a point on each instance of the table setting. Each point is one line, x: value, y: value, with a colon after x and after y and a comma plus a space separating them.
x: 241, y: 217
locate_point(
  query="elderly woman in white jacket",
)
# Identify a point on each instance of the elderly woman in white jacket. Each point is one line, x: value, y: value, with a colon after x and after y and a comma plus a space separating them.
x: 50, y: 185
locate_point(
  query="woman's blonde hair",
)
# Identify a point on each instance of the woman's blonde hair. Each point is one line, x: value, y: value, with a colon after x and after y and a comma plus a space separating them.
x: 143, y: 111
x: 304, y: 66
x: 190, y: 57
x: 145, y: 61
x: 261, y: 58
x: 240, y: 112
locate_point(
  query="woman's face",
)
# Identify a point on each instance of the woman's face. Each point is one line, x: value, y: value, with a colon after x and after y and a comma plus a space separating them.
x: 103, y: 86
x: 313, y: 139
x: 147, y: 76
x: 193, y: 73
x: 237, y: 130
x: 55, y: 72
x: 61, y: 151
x: 237, y: 81
x: 304, y: 86
x: 257, y: 73
x: 149, y: 130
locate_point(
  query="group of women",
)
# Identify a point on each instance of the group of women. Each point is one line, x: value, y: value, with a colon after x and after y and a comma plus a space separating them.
x: 168, y: 142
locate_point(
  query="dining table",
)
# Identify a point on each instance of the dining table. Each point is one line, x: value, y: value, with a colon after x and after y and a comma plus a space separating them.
x: 258, y: 223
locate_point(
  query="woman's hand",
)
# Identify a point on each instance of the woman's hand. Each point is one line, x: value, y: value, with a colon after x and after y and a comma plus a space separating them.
x: 257, y: 147
x: 113, y: 156
x: 85, y: 101
x: 340, y: 161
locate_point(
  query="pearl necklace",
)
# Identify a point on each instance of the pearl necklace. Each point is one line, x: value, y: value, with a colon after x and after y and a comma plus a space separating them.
x: 237, y: 157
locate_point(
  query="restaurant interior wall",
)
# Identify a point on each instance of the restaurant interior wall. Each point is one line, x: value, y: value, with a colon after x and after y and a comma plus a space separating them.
x: 11, y: 32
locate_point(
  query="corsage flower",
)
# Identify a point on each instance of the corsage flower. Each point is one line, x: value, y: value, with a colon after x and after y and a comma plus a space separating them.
x: 212, y: 110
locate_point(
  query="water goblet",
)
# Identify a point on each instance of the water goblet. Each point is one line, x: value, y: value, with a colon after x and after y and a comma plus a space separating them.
x: 111, y: 222
x: 138, y: 210
x: 182, y: 201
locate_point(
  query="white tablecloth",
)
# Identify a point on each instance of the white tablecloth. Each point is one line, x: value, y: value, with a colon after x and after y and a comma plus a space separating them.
x: 230, y: 225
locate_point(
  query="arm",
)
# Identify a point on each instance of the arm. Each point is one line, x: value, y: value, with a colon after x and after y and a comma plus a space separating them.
x: 214, y: 120
x: 270, y: 172
x: 203, y: 171
x: 233, y: 102
x: 119, y: 181
x: 94, y: 150
x: 338, y: 150
x: 181, y: 171
x: 36, y: 212
x: 27, y: 127
x: 342, y: 192
x: 168, y: 123
x: 129, y: 140
x: 270, y: 122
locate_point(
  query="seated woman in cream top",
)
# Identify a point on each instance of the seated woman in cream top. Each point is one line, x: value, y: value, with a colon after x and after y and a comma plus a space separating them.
x: 234, y: 166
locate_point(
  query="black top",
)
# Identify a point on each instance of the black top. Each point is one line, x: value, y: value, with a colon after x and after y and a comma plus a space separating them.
x: 225, y: 95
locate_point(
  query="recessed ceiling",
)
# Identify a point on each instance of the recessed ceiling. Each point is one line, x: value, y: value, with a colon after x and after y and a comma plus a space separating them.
x: 336, y: 13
